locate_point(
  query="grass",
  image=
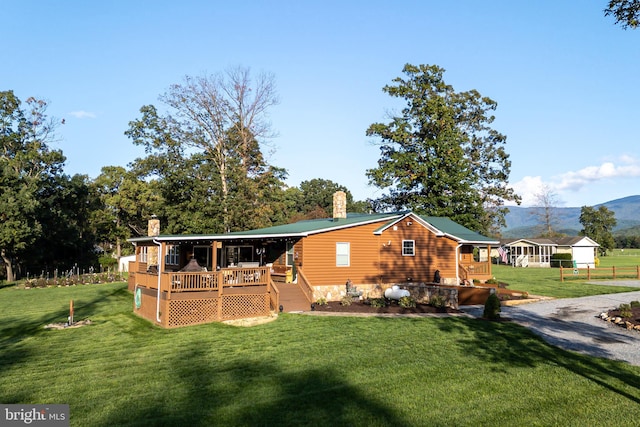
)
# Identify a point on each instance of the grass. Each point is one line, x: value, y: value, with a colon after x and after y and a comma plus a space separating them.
x: 297, y: 370
x: 546, y: 281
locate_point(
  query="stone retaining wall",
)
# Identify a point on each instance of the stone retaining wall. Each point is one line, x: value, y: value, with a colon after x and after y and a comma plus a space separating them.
x: 421, y: 292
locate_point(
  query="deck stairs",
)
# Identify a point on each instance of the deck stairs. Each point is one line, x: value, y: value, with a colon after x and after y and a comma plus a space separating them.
x: 292, y: 298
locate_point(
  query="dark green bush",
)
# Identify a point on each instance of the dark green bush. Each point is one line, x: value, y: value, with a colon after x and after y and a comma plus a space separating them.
x: 564, y: 260
x: 107, y: 261
x: 406, y: 302
x: 634, y: 304
x: 492, y: 307
x: 346, y: 300
x: 438, y: 301
x: 377, y: 302
x: 625, y: 310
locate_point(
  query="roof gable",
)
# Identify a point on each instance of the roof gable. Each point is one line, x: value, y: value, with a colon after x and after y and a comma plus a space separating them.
x: 577, y: 241
x: 534, y: 242
x: 440, y: 226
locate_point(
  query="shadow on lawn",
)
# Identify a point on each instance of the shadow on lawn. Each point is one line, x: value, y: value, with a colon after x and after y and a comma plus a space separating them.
x: 13, y: 330
x: 507, y: 342
x: 251, y: 393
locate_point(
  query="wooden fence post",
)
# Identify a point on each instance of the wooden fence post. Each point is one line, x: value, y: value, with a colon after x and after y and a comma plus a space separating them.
x: 588, y: 272
x: 561, y: 273
x: 613, y: 269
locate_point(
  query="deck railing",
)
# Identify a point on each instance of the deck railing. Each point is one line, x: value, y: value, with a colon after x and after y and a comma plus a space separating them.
x: 478, y: 268
x: 305, y: 286
x: 178, y: 281
x: 274, y: 297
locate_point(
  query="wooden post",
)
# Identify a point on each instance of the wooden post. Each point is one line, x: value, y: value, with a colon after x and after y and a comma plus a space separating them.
x: 613, y: 269
x: 561, y: 273
x: 71, y: 313
x: 588, y: 272
x: 638, y: 271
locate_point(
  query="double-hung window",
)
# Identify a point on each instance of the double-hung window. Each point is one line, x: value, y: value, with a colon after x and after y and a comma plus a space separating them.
x: 343, y: 254
x: 408, y: 248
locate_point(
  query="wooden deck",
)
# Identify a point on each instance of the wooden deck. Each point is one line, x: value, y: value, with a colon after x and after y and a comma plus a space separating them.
x: 172, y: 299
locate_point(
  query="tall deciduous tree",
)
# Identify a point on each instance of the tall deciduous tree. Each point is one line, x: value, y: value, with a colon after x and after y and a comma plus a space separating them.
x: 127, y: 203
x: 598, y: 225
x: 26, y: 163
x: 440, y: 156
x: 206, y: 153
x: 546, y: 211
x: 625, y: 12
x: 66, y: 207
x: 224, y: 116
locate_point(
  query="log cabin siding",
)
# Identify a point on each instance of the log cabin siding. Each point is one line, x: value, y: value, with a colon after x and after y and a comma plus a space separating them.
x: 319, y: 260
x: 373, y: 260
x: 431, y: 253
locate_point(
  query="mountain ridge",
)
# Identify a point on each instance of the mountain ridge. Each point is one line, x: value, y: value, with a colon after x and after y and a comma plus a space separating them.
x: 522, y: 221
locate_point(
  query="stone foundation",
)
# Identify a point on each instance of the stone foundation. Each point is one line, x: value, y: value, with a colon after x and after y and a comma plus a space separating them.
x: 421, y: 292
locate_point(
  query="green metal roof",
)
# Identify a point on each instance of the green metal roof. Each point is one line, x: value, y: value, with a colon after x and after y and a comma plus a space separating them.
x: 303, y: 228
x: 297, y: 229
x: 441, y: 225
x: 458, y: 231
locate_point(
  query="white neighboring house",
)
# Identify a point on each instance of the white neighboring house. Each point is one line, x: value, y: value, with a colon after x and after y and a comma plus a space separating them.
x: 123, y: 263
x: 583, y: 250
x: 538, y: 252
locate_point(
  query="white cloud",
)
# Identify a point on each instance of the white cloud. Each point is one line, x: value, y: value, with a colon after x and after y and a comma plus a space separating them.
x: 527, y: 188
x: 81, y: 114
x: 574, y: 181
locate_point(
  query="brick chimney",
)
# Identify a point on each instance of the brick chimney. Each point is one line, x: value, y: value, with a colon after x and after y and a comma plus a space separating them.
x: 339, y: 205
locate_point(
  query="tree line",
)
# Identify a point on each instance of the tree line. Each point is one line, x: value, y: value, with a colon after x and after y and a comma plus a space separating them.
x: 204, y: 169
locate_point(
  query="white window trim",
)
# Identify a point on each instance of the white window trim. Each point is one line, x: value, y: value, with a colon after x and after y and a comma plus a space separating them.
x: 413, y: 248
x: 143, y: 254
x: 340, y: 255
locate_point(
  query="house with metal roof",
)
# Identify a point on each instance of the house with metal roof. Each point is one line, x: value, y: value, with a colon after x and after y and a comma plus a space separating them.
x: 313, y: 259
x: 538, y: 252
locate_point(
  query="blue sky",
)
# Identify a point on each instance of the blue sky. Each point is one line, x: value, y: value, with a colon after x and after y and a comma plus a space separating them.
x: 564, y: 76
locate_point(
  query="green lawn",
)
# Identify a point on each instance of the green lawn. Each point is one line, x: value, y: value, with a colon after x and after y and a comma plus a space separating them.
x: 546, y: 281
x: 621, y: 258
x: 297, y: 370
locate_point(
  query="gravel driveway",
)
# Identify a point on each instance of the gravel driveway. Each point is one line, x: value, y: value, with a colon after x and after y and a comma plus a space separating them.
x: 572, y: 324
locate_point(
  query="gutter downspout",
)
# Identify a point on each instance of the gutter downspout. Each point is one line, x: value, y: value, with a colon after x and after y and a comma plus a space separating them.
x: 457, y: 264
x: 159, y: 278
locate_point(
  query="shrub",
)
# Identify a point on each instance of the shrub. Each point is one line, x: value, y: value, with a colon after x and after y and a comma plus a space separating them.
x: 346, y: 300
x: 492, y: 307
x: 377, y: 302
x: 321, y: 301
x: 564, y: 260
x: 438, y: 301
x: 625, y: 310
x: 406, y: 302
x: 492, y: 281
x: 107, y: 261
x: 634, y: 304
